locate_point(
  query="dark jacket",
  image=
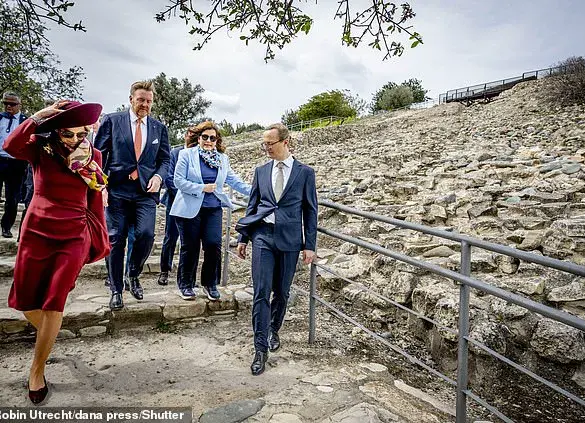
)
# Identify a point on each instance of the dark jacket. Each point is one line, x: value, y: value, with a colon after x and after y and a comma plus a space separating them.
x: 295, y: 213
x: 114, y: 139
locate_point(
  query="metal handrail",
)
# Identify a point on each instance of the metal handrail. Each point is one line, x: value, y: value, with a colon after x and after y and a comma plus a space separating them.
x: 309, y: 123
x: 463, y: 92
x: 465, y: 283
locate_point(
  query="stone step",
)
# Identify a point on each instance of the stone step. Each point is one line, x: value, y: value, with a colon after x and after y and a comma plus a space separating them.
x: 89, y: 314
x: 9, y: 246
x: 93, y: 270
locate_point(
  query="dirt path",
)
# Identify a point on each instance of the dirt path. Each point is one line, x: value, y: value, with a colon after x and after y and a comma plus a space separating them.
x: 205, y: 365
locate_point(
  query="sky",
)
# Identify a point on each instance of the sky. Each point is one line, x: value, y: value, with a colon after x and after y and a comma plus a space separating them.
x: 465, y: 42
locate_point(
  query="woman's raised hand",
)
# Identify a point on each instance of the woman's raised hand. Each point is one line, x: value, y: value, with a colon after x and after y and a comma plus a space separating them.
x: 52, y: 110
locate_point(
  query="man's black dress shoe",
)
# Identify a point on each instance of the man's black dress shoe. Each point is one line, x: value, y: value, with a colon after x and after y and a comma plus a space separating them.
x: 116, y: 302
x: 259, y: 363
x: 273, y: 342
x: 6, y: 233
x: 163, y: 278
x: 37, y: 397
x: 136, y: 289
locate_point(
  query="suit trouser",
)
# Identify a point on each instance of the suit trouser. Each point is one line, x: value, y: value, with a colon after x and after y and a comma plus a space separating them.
x: 170, y: 240
x: 120, y: 214
x: 128, y: 252
x: 12, y: 173
x: 203, y: 229
x: 272, y: 272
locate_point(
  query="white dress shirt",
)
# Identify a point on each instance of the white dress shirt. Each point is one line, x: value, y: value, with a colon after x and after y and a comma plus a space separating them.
x: 143, y: 127
x: 287, y: 169
x: 4, y: 132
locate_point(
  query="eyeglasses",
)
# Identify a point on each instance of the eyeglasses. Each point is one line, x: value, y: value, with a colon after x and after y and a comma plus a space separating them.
x: 10, y: 103
x: 69, y: 134
x: 206, y: 137
x: 265, y: 145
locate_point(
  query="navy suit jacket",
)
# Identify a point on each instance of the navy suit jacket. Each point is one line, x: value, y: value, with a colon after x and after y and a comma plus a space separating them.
x: 114, y: 139
x: 6, y: 115
x: 171, y: 191
x: 295, y: 213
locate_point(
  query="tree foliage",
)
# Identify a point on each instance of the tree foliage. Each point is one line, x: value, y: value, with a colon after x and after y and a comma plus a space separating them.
x: 290, y: 117
x: 377, y: 23
x: 338, y: 103
x: 566, y: 86
x: 177, y: 104
x: 419, y: 94
x: 227, y: 129
x: 396, y: 98
x: 28, y: 66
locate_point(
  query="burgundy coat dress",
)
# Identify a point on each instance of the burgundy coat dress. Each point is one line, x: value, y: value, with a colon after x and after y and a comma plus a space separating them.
x: 64, y: 227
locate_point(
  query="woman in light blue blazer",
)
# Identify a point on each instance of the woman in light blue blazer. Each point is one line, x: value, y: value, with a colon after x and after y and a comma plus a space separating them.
x: 202, y: 170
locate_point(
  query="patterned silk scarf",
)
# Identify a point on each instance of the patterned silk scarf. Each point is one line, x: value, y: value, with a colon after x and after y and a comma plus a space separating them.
x: 81, y: 161
x: 211, y: 157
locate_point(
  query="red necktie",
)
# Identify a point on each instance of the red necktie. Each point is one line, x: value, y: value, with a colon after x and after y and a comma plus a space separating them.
x: 137, y: 147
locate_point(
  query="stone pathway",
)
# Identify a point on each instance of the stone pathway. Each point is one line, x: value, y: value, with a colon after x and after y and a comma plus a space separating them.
x: 205, y: 365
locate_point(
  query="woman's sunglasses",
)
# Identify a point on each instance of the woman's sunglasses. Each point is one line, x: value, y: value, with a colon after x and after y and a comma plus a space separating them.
x: 206, y: 137
x: 69, y: 135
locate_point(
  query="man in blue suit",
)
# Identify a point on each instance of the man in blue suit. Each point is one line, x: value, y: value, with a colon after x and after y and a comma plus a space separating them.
x: 171, y: 229
x: 12, y: 171
x: 135, y: 149
x: 281, y: 221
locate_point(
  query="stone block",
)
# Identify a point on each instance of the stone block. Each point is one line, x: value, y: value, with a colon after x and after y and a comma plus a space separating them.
x: 93, y: 331
x: 185, y: 309
x: 558, y: 342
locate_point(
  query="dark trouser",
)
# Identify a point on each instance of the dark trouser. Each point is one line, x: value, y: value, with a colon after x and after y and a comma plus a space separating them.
x: 11, y: 175
x: 205, y: 228
x: 170, y: 241
x: 272, y: 272
x: 128, y: 252
x: 120, y: 214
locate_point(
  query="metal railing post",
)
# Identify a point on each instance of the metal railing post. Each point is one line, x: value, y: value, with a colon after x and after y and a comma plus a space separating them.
x: 312, y: 302
x: 226, y: 244
x: 463, y: 351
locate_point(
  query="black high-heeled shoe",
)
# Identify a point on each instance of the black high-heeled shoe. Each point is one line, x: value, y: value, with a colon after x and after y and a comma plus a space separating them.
x: 38, y: 396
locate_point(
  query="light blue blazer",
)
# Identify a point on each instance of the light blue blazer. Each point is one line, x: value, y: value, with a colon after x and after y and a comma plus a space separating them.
x: 190, y: 184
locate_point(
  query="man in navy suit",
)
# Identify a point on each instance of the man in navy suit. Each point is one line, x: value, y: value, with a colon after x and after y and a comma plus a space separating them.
x: 171, y: 229
x: 135, y: 149
x: 12, y: 171
x: 281, y: 221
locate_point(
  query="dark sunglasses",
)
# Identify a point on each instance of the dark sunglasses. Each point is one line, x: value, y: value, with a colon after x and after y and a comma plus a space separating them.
x: 69, y: 135
x: 10, y: 103
x: 206, y: 137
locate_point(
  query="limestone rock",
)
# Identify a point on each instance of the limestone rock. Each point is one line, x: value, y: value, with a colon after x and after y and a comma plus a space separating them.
x: 441, y: 251
x: 488, y: 333
x: 363, y: 413
x: 400, y: 286
x: 348, y: 267
x: 575, y: 291
x: 558, y: 342
x: 234, y: 412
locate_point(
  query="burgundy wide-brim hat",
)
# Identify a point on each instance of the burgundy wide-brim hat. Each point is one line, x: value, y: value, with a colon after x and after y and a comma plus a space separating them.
x: 74, y: 114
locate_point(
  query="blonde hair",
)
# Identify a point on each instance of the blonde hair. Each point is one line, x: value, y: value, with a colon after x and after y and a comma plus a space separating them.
x: 142, y: 85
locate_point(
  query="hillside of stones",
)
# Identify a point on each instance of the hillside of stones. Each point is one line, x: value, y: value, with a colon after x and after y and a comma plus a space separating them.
x: 509, y: 171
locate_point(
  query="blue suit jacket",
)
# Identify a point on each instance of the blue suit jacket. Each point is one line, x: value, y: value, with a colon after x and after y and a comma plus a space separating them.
x: 171, y: 190
x: 114, y: 139
x: 295, y: 213
x: 189, y: 183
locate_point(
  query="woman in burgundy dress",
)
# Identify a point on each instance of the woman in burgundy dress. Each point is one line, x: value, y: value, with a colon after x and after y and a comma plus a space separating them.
x: 64, y: 227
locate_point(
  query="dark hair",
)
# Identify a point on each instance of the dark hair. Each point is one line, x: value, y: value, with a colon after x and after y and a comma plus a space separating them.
x: 204, y: 126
